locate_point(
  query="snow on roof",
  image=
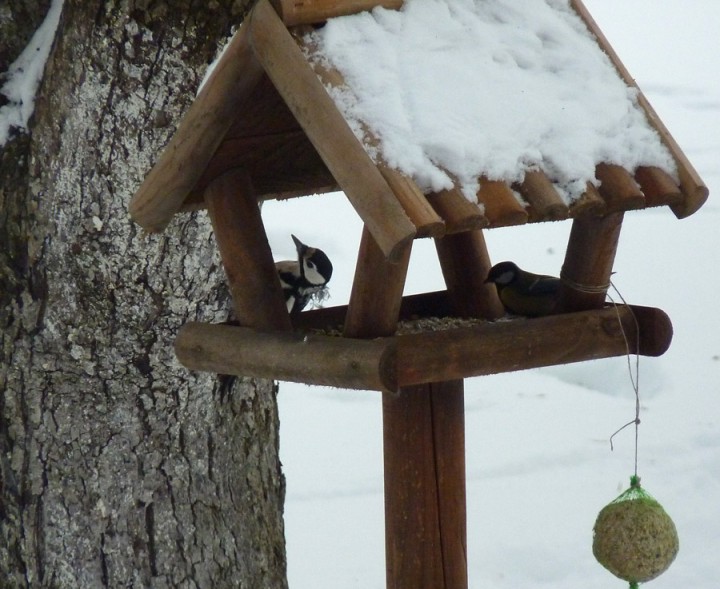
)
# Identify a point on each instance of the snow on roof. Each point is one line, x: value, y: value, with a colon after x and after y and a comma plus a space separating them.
x: 457, y: 89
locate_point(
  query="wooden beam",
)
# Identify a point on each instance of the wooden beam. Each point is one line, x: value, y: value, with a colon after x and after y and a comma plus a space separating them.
x: 465, y: 264
x: 589, y: 261
x: 425, y: 503
x: 245, y: 252
x: 658, y: 187
x: 310, y: 12
x: 289, y: 356
x: 377, y: 290
x: 325, y: 126
x: 427, y: 222
x: 544, y: 199
x: 386, y: 363
x: 618, y: 188
x: 530, y: 343
x: 457, y: 211
x: 501, y: 207
x: 428, y: 304
x: 590, y: 203
x: 423, y: 447
x: 692, y: 186
x: 199, y: 133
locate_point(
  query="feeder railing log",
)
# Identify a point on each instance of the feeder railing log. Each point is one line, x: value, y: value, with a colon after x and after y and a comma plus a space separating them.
x: 509, y: 346
x: 310, y: 12
x: 328, y: 131
x: 290, y: 356
x: 389, y: 363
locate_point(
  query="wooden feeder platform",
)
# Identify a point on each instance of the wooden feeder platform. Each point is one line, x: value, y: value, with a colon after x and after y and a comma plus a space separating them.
x: 264, y: 127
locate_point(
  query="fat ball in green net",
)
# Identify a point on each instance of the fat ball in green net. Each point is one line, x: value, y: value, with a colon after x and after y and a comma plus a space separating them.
x: 633, y: 536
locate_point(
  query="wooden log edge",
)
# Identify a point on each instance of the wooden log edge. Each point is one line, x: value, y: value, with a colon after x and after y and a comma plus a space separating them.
x: 311, y: 12
x: 692, y: 186
x: 290, y: 356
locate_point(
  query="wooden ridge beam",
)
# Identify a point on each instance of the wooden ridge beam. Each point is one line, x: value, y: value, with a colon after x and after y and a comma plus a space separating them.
x: 693, y: 188
x: 310, y: 12
x: 386, y: 363
x: 328, y: 131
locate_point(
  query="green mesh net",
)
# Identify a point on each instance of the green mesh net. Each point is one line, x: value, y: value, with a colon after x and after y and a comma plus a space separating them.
x: 633, y: 536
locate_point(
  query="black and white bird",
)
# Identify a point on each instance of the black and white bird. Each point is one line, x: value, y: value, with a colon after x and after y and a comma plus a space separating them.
x: 306, y: 278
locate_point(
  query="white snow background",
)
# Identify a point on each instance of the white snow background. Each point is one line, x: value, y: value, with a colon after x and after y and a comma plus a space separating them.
x: 539, y: 466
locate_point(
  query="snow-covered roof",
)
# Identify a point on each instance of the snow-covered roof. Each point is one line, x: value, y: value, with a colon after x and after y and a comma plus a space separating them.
x: 443, y: 116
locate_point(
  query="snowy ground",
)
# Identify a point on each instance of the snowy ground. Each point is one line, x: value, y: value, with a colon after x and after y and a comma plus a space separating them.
x: 539, y: 465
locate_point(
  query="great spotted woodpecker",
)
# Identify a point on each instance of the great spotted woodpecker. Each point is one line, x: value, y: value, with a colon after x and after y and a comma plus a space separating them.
x: 302, y: 281
x: 306, y: 278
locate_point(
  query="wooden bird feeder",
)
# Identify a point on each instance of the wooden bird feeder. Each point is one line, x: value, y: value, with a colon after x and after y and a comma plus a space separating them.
x: 264, y: 127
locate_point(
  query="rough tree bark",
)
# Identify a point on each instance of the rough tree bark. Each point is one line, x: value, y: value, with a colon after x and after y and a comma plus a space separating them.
x: 118, y: 468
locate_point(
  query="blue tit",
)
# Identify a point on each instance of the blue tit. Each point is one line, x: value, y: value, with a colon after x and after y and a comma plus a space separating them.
x: 524, y: 293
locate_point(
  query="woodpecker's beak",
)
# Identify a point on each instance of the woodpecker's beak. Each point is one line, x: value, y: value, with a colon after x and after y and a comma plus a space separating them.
x: 299, y: 245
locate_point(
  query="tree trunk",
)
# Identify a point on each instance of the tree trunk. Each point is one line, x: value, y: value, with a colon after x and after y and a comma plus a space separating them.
x: 118, y: 467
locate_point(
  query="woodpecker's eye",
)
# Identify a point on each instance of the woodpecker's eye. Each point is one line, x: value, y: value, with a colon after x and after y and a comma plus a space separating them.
x: 310, y: 265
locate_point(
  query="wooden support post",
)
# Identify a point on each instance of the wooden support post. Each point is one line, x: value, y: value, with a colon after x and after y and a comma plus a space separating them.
x: 376, y: 295
x: 245, y: 252
x: 465, y: 264
x: 425, y: 514
x: 589, y: 261
x: 423, y: 445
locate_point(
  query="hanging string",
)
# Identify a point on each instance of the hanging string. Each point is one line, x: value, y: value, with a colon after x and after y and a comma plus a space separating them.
x: 634, y: 377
